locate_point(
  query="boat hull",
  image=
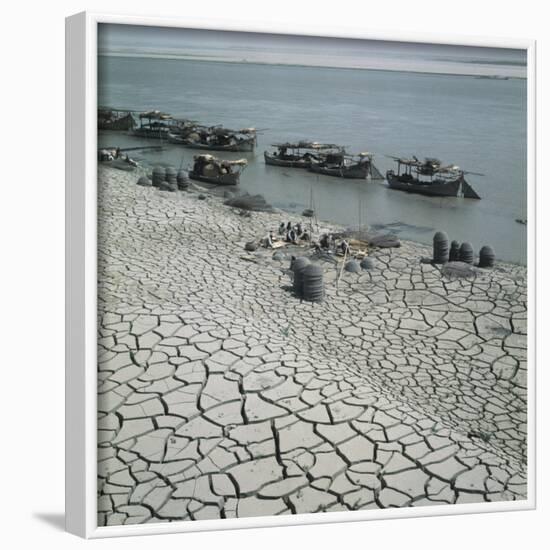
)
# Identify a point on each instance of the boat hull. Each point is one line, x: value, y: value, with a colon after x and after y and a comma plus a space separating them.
x: 223, y: 179
x: 246, y: 146
x: 123, y: 123
x: 176, y: 139
x: 119, y: 164
x: 451, y: 188
x: 150, y: 133
x: 274, y: 161
x: 356, y: 171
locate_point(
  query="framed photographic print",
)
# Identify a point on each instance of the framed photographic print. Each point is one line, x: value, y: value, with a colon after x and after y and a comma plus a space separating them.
x: 299, y: 275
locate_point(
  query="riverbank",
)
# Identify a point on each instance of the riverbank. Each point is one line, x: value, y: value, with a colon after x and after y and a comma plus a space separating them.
x: 223, y: 395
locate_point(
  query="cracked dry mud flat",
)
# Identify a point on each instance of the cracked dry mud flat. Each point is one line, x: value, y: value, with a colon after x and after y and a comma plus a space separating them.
x: 221, y: 395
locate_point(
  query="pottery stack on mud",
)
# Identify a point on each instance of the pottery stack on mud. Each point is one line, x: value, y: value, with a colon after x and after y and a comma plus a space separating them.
x: 182, y: 180
x: 298, y: 266
x: 440, y: 248
x: 454, y: 252
x: 312, y: 281
x: 466, y: 253
x: 159, y: 175
x: 486, y: 257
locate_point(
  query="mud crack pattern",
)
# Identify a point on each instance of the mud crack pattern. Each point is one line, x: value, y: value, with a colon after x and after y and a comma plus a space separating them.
x: 221, y: 395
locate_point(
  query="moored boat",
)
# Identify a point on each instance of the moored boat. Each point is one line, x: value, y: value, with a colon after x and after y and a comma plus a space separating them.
x: 180, y: 129
x: 209, y: 169
x: 114, y: 119
x: 297, y: 154
x: 342, y: 165
x: 114, y: 157
x: 217, y: 138
x: 430, y: 178
x: 153, y: 125
x: 241, y: 146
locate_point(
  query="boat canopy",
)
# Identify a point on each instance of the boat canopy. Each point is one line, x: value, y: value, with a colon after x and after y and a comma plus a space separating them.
x: 184, y: 120
x: 306, y: 145
x: 221, y: 130
x: 156, y: 115
x: 222, y: 162
x: 206, y: 157
x: 429, y: 166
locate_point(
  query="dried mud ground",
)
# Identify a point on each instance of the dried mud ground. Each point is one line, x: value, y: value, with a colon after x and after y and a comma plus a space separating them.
x: 222, y: 395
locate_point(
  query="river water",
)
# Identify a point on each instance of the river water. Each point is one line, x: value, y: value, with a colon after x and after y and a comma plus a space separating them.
x: 478, y: 123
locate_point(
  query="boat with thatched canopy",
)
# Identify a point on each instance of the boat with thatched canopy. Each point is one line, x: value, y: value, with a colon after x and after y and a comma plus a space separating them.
x: 297, y: 154
x: 154, y: 125
x: 114, y: 119
x: 218, y: 138
x: 343, y: 165
x: 209, y: 169
x: 429, y: 177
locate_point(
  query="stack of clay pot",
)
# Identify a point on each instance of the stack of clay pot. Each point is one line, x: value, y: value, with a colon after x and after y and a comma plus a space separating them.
x: 313, y: 289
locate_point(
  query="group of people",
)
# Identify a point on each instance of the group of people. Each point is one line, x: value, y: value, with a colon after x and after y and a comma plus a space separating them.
x: 328, y: 242
x: 293, y: 233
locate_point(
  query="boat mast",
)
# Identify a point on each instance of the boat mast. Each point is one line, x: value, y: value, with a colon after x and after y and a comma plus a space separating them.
x: 359, y: 205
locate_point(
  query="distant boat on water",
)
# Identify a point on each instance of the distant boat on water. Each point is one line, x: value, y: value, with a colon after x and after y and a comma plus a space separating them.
x: 215, y: 138
x: 153, y: 124
x: 323, y: 158
x: 114, y: 119
x: 343, y: 165
x: 297, y: 154
x: 209, y: 169
x: 493, y: 77
x: 429, y: 177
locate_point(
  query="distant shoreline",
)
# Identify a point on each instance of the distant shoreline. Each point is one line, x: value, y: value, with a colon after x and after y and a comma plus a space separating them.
x: 208, y: 59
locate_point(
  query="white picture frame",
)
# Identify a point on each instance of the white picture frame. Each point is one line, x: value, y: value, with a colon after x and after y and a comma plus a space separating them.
x: 81, y: 291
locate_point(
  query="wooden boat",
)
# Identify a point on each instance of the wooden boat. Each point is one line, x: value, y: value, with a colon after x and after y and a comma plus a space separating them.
x: 153, y: 125
x: 298, y: 154
x: 180, y: 129
x: 344, y: 166
x: 430, y: 178
x: 114, y: 119
x: 115, y: 158
x: 217, y: 138
x: 209, y: 169
x: 242, y: 146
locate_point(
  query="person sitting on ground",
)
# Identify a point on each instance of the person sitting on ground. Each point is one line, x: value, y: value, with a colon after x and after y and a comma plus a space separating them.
x: 282, y: 228
x: 105, y: 155
x: 298, y: 228
x: 324, y: 241
x: 267, y: 241
x: 304, y: 236
x: 344, y: 246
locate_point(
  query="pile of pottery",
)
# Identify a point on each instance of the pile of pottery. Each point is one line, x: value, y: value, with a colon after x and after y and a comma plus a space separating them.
x: 165, y: 179
x: 464, y: 252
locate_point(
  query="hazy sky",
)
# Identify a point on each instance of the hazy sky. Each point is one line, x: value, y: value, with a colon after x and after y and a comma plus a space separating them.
x: 303, y: 50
